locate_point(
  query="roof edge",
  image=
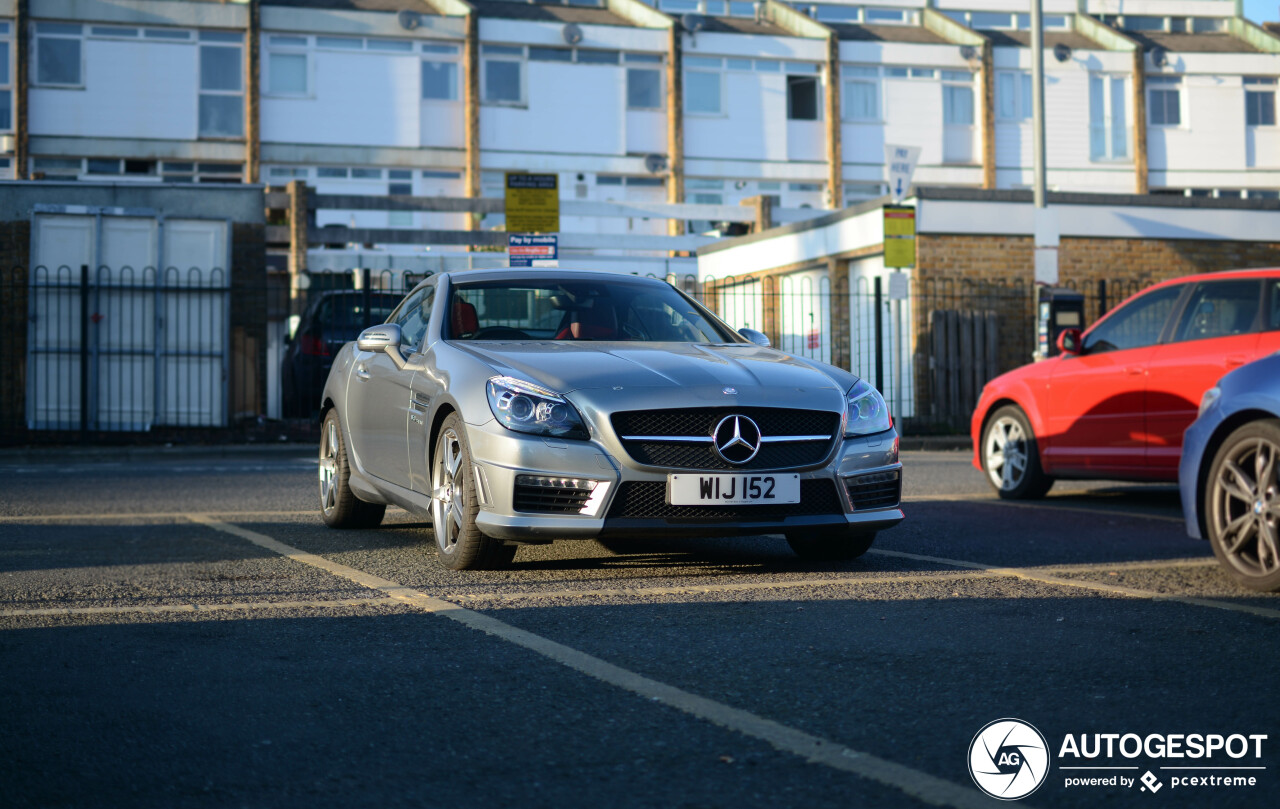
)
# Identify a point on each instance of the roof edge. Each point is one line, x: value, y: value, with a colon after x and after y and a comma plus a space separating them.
x: 797, y: 227
x: 1109, y: 38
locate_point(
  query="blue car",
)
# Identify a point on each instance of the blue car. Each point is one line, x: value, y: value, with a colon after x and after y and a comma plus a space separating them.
x: 1228, y: 475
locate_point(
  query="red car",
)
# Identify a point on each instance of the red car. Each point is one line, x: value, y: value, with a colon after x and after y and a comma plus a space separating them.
x: 1115, y: 402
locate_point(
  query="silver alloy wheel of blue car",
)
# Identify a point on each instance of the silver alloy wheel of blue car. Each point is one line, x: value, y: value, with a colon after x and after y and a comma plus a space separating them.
x: 1244, y: 506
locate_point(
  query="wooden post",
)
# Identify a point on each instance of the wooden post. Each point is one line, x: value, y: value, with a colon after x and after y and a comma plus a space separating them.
x: 988, y: 116
x: 299, y: 219
x: 838, y: 278
x: 675, y: 124
x: 763, y: 205
x: 769, y: 308
x: 22, y: 80
x: 252, y: 95
x: 1140, y: 176
x: 835, y: 144
x: 471, y: 99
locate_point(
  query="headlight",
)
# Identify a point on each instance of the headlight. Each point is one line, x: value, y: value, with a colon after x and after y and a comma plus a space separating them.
x: 867, y: 411
x: 1210, y: 396
x: 527, y: 408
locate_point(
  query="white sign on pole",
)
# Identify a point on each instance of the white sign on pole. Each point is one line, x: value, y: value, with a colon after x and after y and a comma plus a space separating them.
x: 901, y: 161
x: 899, y: 290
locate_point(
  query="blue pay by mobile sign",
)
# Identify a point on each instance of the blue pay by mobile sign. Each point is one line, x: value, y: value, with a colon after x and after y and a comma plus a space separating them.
x: 526, y: 250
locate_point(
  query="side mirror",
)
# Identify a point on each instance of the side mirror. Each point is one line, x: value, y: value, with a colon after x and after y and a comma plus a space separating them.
x: 379, y: 338
x: 757, y: 337
x: 1069, y: 342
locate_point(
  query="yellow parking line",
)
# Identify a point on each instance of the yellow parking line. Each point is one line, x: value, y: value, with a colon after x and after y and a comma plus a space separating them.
x: 815, y: 749
x: 143, y: 515
x: 1027, y: 574
x: 712, y: 589
x: 1047, y: 503
x: 160, y: 609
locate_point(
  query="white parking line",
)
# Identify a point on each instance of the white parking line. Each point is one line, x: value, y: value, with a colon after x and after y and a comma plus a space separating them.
x: 1028, y: 574
x: 815, y: 749
x: 160, y: 609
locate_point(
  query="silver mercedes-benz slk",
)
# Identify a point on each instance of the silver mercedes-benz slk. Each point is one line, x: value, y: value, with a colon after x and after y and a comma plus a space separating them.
x: 524, y: 406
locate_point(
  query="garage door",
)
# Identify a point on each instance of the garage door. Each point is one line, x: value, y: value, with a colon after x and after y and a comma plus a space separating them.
x: 128, y: 321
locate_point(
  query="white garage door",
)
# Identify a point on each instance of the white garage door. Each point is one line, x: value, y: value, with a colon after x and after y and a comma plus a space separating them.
x: 137, y: 339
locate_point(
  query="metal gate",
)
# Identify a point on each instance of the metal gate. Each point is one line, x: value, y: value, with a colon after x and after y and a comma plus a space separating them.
x: 128, y: 321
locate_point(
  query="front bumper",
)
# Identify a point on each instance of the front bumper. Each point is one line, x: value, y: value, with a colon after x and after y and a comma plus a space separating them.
x: 500, y: 456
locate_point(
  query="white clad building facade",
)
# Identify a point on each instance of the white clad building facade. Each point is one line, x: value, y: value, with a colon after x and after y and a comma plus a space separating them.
x: 704, y: 101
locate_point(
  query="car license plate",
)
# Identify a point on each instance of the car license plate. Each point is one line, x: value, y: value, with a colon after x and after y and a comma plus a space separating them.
x: 732, y: 490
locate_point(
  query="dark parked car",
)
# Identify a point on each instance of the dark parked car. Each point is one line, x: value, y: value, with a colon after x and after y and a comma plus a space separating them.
x: 1228, y: 476
x: 332, y: 320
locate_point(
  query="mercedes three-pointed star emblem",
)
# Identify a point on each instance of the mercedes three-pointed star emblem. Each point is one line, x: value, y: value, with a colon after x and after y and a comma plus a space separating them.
x: 736, y: 439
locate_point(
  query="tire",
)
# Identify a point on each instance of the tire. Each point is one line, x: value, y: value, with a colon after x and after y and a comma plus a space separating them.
x: 459, y: 543
x: 1242, y: 505
x: 339, y: 506
x: 1011, y: 456
x: 831, y: 544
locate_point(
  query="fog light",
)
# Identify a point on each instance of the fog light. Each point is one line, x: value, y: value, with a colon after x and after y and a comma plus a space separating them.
x: 556, y: 483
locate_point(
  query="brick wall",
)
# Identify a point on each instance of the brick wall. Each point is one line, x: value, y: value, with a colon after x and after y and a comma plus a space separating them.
x: 996, y: 273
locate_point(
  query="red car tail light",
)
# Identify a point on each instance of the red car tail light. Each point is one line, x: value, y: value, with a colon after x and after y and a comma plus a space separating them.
x: 313, y: 346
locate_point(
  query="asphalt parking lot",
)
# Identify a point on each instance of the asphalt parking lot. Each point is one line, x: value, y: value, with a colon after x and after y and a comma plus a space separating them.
x: 182, y: 630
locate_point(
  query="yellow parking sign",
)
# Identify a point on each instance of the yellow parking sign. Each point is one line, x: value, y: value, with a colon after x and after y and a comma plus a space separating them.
x: 532, y: 203
x: 899, y: 236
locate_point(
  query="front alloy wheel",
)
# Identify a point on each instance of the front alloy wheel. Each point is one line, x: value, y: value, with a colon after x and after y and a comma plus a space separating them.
x: 339, y: 506
x: 1243, y: 506
x: 454, y: 506
x: 1011, y: 458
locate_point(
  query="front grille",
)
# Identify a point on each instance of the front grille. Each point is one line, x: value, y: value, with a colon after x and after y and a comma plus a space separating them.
x: 543, y: 499
x: 876, y: 490
x: 648, y: 499
x: 773, y: 422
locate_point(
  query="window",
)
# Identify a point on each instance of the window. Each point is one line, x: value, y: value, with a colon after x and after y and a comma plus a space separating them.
x: 1220, y: 309
x: 644, y: 81
x: 1259, y: 101
x: 703, y: 86
x: 1164, y: 100
x: 1108, y: 121
x: 58, y: 54
x: 400, y: 219
x: 838, y: 14
x: 412, y: 316
x: 540, y: 54
x: 439, y: 81
x: 957, y: 98
x: 802, y: 98
x: 502, y: 76
x: 861, y: 93
x: 287, y: 65
x: 182, y: 172
x: 221, y: 111
x: 1013, y: 96
x: 1136, y: 325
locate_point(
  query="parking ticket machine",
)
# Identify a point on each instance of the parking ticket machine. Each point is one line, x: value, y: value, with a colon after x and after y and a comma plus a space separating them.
x: 1057, y: 309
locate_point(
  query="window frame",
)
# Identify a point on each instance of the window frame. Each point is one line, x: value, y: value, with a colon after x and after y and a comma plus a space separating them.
x: 1166, y: 84
x: 645, y: 66
x: 1260, y: 86
x: 1023, y: 97
x: 1108, y: 123
x: 817, y: 95
x: 222, y: 40
x: 867, y: 75
x: 701, y: 65
x: 487, y: 55
x: 37, y: 36
x: 270, y: 48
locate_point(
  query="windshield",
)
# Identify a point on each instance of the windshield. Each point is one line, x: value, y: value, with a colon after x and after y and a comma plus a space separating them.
x: 574, y: 309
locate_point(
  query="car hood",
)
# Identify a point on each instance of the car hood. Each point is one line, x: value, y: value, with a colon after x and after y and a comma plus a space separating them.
x: 650, y: 372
